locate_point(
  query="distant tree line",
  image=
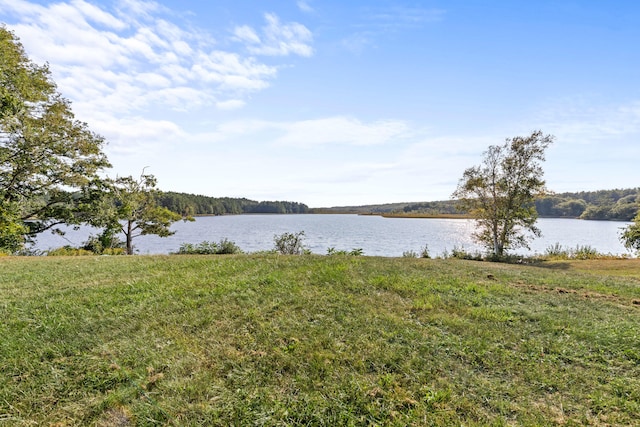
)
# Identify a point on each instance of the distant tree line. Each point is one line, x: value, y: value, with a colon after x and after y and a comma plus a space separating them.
x: 621, y: 205
x: 440, y: 207
x: 191, y: 204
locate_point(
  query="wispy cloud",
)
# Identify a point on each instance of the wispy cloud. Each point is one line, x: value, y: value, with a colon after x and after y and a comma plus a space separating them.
x: 304, y: 134
x: 276, y: 39
x: 341, y: 130
x: 377, y: 22
x: 402, y: 17
x: 305, y: 6
x: 585, y: 122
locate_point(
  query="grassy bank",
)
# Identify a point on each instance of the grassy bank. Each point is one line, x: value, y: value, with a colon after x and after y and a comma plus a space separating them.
x: 315, y: 340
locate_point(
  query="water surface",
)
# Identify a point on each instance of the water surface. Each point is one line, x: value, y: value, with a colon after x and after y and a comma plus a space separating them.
x: 375, y: 235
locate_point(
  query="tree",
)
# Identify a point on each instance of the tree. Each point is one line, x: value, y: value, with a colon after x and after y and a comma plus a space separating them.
x: 127, y: 205
x: 500, y: 194
x: 290, y: 243
x: 45, y: 154
x: 631, y: 235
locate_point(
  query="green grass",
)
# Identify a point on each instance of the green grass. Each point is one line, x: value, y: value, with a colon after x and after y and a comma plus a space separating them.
x: 272, y: 340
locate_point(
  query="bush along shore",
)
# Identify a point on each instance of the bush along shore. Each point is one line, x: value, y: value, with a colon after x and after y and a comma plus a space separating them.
x: 268, y: 339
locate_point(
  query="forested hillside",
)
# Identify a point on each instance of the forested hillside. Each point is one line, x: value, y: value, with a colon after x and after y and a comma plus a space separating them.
x: 192, y: 204
x: 615, y: 204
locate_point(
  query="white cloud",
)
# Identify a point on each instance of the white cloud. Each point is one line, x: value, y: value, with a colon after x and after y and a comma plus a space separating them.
x: 573, y: 122
x: 316, y: 132
x: 138, y: 135
x: 277, y: 39
x: 357, y: 43
x: 341, y: 130
x: 97, y: 15
x: 231, y: 104
x: 305, y: 6
x: 378, y: 22
x: 246, y: 34
x: 130, y: 59
x: 397, y: 17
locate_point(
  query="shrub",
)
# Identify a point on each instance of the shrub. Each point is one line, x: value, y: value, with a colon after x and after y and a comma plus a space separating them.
x: 69, y: 251
x: 582, y: 252
x: 586, y: 252
x: 461, y: 253
x: 224, y: 247
x: 106, y: 243
x: 556, y: 251
x: 424, y: 252
x: 410, y: 254
x: 227, y: 247
x: 290, y: 243
x: 353, y: 252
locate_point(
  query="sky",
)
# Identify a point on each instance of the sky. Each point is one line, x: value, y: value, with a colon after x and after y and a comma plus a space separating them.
x: 334, y: 103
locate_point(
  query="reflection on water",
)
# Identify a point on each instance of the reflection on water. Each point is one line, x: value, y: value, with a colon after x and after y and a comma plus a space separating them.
x: 375, y: 235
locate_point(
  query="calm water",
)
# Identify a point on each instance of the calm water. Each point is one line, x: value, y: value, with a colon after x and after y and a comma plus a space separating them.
x: 373, y: 234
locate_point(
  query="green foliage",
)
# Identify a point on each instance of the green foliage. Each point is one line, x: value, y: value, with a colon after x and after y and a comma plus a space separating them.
x: 45, y: 154
x: 191, y: 204
x: 424, y: 253
x: 69, y: 251
x: 501, y: 193
x: 224, y: 247
x: 290, y: 243
x: 353, y: 252
x: 127, y: 205
x: 106, y: 243
x: 581, y: 252
x: 434, y: 208
x: 631, y: 236
x: 12, y: 228
x: 102, y: 244
x: 620, y: 205
x: 556, y: 251
x: 462, y: 253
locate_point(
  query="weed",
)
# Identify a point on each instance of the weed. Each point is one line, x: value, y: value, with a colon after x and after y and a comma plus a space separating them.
x: 224, y: 247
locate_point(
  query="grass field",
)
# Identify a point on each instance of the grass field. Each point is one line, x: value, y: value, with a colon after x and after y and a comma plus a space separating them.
x: 271, y: 340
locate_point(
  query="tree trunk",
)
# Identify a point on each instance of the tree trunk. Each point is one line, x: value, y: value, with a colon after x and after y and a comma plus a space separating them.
x: 497, y: 246
x: 129, y: 237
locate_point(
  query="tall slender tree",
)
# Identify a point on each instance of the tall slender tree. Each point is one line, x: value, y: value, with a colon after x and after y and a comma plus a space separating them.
x: 500, y: 193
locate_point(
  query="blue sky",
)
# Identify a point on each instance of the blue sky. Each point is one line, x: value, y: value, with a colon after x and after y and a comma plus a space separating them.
x: 332, y: 103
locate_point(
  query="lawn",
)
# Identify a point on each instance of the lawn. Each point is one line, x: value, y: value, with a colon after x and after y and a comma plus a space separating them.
x: 270, y: 340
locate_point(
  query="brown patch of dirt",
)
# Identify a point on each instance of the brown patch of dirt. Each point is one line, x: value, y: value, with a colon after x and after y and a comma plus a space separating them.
x: 116, y: 417
x: 583, y: 294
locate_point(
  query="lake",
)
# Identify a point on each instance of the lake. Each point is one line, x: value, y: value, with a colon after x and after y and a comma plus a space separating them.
x: 375, y: 235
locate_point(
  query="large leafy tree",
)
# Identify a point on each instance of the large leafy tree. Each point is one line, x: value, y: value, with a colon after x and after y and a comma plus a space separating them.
x: 127, y: 206
x: 631, y: 235
x: 500, y: 193
x: 45, y: 153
